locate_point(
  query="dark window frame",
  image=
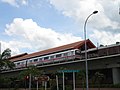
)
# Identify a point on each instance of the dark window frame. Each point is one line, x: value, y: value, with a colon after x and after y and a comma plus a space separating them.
x: 46, y: 58
x: 58, y: 55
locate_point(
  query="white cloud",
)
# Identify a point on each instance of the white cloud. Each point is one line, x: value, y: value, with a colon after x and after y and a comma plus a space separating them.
x: 16, y: 3
x: 107, y: 18
x: 11, y: 2
x: 80, y: 9
x: 105, y: 38
x: 24, y: 2
x: 14, y: 46
x: 104, y: 26
x: 27, y: 34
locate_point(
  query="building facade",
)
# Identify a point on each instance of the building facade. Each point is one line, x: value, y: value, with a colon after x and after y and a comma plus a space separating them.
x: 104, y: 59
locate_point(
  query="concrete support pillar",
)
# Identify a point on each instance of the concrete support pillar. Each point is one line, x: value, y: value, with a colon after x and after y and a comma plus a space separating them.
x: 116, y: 75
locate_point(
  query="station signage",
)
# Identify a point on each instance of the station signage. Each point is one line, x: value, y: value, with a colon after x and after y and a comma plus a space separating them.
x: 68, y: 71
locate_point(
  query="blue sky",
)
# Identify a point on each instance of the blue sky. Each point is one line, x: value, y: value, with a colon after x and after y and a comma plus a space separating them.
x: 33, y: 25
x: 39, y: 11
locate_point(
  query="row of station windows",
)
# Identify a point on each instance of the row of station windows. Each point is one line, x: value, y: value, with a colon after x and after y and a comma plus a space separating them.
x: 47, y: 57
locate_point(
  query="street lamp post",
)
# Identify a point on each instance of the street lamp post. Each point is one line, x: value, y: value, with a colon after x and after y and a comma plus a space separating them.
x: 29, y: 81
x: 86, y: 65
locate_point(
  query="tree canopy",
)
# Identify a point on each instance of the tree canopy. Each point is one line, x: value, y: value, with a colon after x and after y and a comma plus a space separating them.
x: 30, y: 70
x: 5, y: 63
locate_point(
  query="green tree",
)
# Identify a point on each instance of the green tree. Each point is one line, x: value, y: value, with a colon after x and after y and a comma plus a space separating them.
x: 33, y: 70
x: 82, y: 76
x: 99, y: 78
x: 5, y: 63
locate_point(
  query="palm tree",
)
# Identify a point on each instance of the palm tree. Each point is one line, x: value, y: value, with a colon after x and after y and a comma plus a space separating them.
x: 4, y: 60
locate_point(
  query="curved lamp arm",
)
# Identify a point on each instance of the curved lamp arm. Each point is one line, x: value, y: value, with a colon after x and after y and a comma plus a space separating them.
x: 86, y: 65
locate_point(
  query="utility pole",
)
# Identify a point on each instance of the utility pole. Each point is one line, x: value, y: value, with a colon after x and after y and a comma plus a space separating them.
x: 73, y: 80
x: 57, y: 82
x: 29, y: 81
x: 0, y: 47
x: 86, y: 63
x: 63, y: 81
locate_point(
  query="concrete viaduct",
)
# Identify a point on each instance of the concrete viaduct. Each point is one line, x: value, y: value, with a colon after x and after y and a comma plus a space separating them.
x: 110, y: 63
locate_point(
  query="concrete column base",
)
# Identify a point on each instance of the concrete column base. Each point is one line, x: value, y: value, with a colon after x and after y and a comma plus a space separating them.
x: 116, y: 75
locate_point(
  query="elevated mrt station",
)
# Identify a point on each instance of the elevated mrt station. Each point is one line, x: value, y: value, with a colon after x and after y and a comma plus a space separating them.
x: 103, y: 59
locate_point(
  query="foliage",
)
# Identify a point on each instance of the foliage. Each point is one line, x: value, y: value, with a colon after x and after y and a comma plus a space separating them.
x: 54, y: 87
x: 99, y: 77
x: 68, y: 87
x: 30, y: 70
x: 5, y: 82
x: 82, y: 76
x: 4, y: 60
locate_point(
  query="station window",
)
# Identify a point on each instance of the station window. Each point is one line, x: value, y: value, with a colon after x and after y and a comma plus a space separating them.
x: 69, y: 53
x: 35, y: 60
x: 51, y: 57
x: 58, y: 55
x: 72, y: 52
x: 40, y: 59
x: 77, y: 52
x: 22, y: 62
x: 18, y: 63
x: 30, y: 61
x: 65, y: 54
x: 45, y: 58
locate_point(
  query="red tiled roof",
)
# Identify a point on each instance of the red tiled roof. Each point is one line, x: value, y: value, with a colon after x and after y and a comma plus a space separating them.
x: 17, y: 56
x: 75, y: 45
